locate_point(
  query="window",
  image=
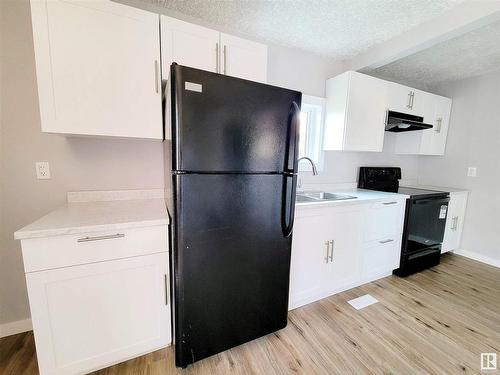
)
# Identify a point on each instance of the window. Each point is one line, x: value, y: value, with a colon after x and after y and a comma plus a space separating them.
x: 311, y: 131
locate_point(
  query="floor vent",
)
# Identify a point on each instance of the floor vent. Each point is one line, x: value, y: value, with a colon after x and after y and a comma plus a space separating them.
x: 362, y: 302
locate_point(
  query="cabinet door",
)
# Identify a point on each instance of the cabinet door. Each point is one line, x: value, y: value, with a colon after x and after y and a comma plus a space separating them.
x: 97, y: 65
x: 309, y: 257
x: 441, y: 124
x: 356, y: 106
x: 345, y: 232
x: 454, y: 222
x: 109, y: 312
x: 366, y: 112
x: 243, y: 58
x: 399, y: 98
x: 189, y: 45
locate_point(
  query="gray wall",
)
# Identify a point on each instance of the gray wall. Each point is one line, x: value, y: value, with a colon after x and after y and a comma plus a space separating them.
x: 76, y: 163
x: 100, y: 164
x: 473, y: 141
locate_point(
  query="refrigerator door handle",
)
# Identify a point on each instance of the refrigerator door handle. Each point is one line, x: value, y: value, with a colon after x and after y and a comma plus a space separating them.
x: 292, y: 138
x: 288, y: 208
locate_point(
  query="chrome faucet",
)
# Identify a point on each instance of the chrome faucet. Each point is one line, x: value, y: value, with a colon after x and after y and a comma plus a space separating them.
x: 314, y: 169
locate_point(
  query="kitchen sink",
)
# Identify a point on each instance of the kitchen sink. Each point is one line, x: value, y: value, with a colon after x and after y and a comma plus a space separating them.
x: 321, y: 196
x: 304, y: 198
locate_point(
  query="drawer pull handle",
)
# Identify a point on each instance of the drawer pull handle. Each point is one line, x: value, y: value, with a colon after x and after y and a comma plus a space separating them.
x: 386, y: 241
x: 99, y: 238
x: 165, y: 280
x: 388, y: 203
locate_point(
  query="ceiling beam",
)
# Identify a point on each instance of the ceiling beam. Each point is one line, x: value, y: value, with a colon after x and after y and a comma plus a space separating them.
x: 468, y: 16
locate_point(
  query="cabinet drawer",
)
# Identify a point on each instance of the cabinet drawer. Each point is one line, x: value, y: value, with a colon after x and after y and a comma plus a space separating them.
x: 63, y: 251
x: 383, y: 219
x: 380, y: 256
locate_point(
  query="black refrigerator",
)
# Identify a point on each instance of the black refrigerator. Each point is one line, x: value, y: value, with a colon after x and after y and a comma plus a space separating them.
x: 230, y: 181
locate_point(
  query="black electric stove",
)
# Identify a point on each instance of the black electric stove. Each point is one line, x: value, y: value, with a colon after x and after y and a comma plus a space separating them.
x: 425, y: 218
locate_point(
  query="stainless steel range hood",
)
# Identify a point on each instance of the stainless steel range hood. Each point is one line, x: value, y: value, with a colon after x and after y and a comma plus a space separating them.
x: 403, y: 122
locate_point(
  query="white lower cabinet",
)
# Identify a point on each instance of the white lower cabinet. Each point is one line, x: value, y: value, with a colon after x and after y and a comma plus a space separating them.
x: 344, y: 227
x: 310, y: 252
x: 95, y: 314
x: 383, y: 219
x: 454, y: 221
x: 380, y: 257
x: 335, y: 248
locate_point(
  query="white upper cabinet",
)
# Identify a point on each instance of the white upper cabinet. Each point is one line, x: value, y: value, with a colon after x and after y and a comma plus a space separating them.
x: 434, y: 140
x: 356, y: 106
x: 436, y: 112
x: 188, y: 44
x: 207, y: 49
x: 243, y: 58
x: 405, y: 99
x: 97, y: 65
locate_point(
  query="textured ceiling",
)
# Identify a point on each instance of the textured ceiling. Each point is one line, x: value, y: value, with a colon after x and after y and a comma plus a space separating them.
x: 336, y: 28
x: 472, y: 54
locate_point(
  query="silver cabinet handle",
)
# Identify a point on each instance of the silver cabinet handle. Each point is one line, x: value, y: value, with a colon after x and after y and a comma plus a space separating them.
x: 389, y: 203
x: 439, y: 121
x: 331, y: 253
x: 157, y: 74
x: 165, y: 279
x: 327, y: 243
x: 412, y: 99
x: 225, y: 53
x: 217, y: 58
x: 386, y: 241
x: 99, y: 238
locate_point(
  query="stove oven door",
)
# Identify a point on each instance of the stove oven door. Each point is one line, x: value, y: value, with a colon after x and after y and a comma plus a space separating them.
x: 426, y: 221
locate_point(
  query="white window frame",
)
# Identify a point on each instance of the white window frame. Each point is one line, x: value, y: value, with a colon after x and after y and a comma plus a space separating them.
x: 316, y: 106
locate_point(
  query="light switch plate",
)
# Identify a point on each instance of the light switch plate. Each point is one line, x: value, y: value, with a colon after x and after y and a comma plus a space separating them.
x: 471, y: 172
x: 42, y: 170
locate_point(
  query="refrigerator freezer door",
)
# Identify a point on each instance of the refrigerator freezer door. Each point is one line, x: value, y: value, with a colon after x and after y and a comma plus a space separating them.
x: 231, y: 261
x: 227, y: 124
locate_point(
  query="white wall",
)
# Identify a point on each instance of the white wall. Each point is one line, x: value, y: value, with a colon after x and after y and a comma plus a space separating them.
x: 100, y: 164
x: 473, y: 141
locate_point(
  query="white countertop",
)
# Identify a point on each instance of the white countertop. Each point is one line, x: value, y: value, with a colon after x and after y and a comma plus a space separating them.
x: 83, y: 217
x: 361, y: 195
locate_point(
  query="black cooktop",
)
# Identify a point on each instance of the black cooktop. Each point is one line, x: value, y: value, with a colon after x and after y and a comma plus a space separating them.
x: 420, y: 193
x: 387, y: 179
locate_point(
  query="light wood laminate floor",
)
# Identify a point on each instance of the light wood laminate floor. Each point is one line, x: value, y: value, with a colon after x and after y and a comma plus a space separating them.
x: 434, y: 322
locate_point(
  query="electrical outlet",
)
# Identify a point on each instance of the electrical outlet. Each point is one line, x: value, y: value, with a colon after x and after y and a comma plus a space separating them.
x: 471, y: 172
x: 42, y: 170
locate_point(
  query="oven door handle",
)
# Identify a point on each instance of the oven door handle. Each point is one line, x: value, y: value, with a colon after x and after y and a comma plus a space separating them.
x: 431, y: 200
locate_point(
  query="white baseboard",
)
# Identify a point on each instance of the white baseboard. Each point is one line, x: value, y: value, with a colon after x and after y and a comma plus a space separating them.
x: 12, y: 328
x: 479, y: 257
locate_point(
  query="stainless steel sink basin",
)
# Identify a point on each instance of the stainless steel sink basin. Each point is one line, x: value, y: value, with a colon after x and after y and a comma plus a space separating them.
x: 321, y: 196
x: 303, y: 198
